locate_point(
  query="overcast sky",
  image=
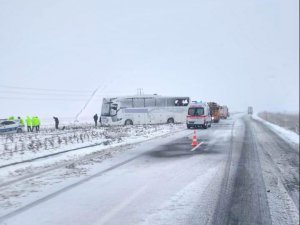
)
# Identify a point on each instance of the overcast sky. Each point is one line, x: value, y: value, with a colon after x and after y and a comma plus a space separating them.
x: 236, y: 53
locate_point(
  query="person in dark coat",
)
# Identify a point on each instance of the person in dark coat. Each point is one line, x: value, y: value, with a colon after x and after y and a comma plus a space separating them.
x: 96, y: 119
x: 56, y: 122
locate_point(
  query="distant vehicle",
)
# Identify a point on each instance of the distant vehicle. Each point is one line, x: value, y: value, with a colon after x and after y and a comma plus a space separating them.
x: 198, y: 116
x: 250, y: 110
x: 144, y: 109
x: 10, y: 126
x: 214, y: 111
x: 224, y: 113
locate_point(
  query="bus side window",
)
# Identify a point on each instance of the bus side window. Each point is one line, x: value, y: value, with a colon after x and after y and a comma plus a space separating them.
x: 181, y: 102
x: 127, y: 103
x: 172, y: 102
x: 160, y: 102
x: 138, y: 102
x: 185, y: 102
x: 149, y: 102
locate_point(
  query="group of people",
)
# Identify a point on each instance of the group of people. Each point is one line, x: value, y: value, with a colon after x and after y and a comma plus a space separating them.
x: 32, y: 123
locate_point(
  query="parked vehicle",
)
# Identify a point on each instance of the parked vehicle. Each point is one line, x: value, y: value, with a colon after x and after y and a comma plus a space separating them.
x: 250, y: 110
x: 214, y: 111
x: 198, y: 116
x: 144, y: 109
x: 10, y: 126
x: 224, y: 113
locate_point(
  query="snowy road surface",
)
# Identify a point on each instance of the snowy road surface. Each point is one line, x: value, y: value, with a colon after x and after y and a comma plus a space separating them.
x: 243, y: 173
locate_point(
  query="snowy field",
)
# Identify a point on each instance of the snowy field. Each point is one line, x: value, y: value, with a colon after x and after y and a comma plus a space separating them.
x: 291, y: 136
x: 289, y: 121
x: 88, y: 145
x: 16, y: 148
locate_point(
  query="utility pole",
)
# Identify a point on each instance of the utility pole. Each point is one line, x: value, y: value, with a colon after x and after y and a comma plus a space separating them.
x: 139, y: 91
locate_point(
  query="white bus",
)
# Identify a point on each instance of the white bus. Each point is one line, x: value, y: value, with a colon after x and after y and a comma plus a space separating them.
x: 144, y: 109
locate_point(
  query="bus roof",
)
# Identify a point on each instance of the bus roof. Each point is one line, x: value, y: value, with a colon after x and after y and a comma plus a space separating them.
x: 146, y: 96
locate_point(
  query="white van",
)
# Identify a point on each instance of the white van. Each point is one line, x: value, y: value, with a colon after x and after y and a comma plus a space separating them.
x: 198, y: 116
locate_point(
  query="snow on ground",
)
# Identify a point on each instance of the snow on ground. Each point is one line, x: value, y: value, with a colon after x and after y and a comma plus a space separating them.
x: 86, y: 143
x: 19, y: 147
x: 284, y: 133
x: 28, y: 190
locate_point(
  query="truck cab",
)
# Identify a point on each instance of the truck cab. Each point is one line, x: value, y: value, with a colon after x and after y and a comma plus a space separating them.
x: 198, y: 116
x: 214, y: 111
x: 224, y: 113
x: 250, y: 110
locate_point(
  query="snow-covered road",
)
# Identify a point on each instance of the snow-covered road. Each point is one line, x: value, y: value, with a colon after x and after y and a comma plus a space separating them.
x: 243, y: 173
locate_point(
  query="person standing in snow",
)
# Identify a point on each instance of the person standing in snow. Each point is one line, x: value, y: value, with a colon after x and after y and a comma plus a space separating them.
x: 56, y: 122
x: 38, y: 123
x: 29, y: 124
x: 33, y: 122
x: 21, y: 121
x: 96, y: 119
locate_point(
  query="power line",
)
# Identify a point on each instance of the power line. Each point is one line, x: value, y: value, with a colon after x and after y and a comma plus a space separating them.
x: 16, y: 93
x: 86, y: 104
x: 45, y: 89
x: 41, y: 99
x: 36, y: 93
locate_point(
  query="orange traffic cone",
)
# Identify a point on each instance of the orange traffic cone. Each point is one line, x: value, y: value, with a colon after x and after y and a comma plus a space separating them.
x: 194, y: 142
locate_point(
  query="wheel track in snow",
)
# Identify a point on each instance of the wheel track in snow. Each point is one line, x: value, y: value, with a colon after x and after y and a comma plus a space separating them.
x: 243, y: 198
x: 290, y: 183
x: 223, y: 199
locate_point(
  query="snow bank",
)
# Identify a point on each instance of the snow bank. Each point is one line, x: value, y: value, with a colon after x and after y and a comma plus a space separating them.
x: 282, y: 132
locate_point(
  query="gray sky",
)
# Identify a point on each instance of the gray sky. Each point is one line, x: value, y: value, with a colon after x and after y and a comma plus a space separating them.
x: 237, y: 53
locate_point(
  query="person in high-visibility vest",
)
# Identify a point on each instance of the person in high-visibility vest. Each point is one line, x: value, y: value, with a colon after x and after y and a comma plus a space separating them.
x: 34, y: 123
x: 38, y: 123
x: 21, y: 121
x: 29, y: 124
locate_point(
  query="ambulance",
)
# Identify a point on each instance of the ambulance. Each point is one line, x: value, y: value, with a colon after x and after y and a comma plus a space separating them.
x: 198, y: 115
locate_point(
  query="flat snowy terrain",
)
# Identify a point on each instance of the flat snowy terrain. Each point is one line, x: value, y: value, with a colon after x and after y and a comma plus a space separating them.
x: 290, y: 136
x: 241, y: 173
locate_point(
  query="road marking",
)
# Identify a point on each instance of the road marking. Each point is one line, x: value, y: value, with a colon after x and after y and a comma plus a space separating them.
x: 197, y: 146
x: 119, y: 207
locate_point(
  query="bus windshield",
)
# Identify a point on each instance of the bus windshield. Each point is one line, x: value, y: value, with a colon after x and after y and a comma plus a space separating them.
x: 108, y: 108
x: 196, y: 111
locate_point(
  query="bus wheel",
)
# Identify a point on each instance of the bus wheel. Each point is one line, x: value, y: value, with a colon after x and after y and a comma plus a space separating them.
x: 205, y: 125
x: 170, y: 120
x: 128, y: 122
